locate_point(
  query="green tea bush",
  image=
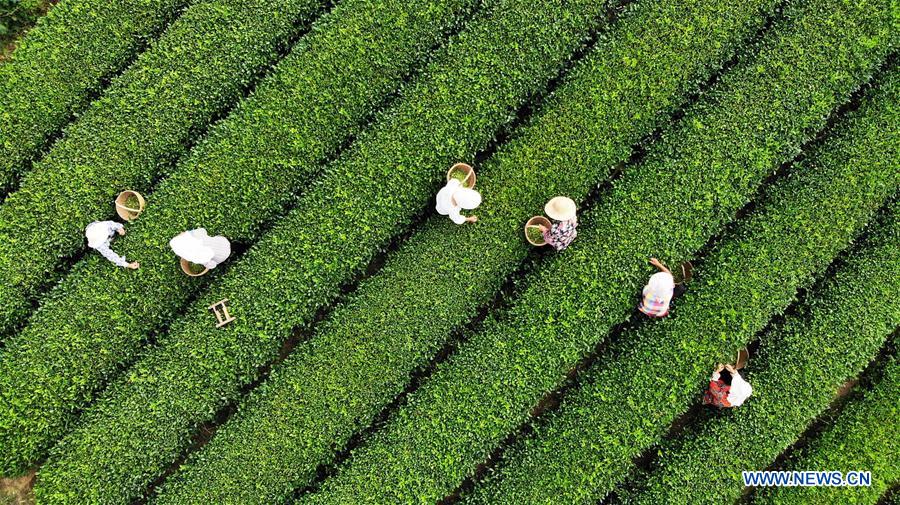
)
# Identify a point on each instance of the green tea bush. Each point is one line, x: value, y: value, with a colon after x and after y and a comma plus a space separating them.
x: 891, y: 497
x: 389, y: 174
x: 811, y: 353
x: 269, y: 148
x: 652, y: 373
x: 128, y: 137
x: 363, y: 354
x: 18, y: 15
x: 690, y: 184
x: 862, y: 437
x: 62, y: 62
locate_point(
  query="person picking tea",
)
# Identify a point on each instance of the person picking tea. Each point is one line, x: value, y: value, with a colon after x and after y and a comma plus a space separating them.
x: 727, y: 388
x: 658, y: 293
x: 563, y: 231
x: 453, y: 198
x: 99, y: 235
x: 196, y: 246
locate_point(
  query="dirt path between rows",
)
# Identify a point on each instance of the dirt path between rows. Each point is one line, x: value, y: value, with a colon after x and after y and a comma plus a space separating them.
x: 17, y: 491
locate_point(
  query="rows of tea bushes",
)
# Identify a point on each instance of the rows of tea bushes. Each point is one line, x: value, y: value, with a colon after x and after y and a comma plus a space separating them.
x: 828, y: 341
x: 19, y: 13
x: 359, y: 359
x: 128, y: 137
x: 270, y: 147
x: 62, y: 62
x: 653, y: 372
x: 892, y: 497
x: 690, y: 184
x: 17, y: 17
x: 862, y: 438
x: 470, y: 90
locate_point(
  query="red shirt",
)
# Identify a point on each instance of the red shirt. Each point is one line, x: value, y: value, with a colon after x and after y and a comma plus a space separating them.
x: 717, y: 394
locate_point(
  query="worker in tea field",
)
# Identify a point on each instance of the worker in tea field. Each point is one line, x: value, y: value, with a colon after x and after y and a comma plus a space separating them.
x: 453, y: 198
x: 196, y: 246
x: 727, y: 388
x: 99, y: 235
x: 563, y: 231
x: 657, y: 295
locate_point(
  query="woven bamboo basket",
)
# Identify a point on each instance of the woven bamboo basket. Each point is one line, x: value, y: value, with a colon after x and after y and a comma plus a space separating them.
x: 684, y: 273
x: 743, y: 356
x: 126, y: 212
x: 533, y: 232
x: 186, y: 268
x: 464, y: 173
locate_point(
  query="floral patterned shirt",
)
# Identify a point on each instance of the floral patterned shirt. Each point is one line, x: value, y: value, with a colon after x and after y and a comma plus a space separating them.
x: 717, y: 394
x: 562, y: 233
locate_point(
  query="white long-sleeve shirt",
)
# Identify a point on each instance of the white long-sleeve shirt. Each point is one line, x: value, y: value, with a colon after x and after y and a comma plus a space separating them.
x: 445, y: 205
x: 740, y: 389
x: 99, y: 234
x: 198, y: 247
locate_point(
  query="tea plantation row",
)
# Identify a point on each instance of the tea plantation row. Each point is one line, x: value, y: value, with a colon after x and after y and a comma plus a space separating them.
x: 271, y: 146
x: 652, y: 373
x: 319, y: 172
x: 350, y: 231
x: 61, y: 63
x: 133, y: 133
x: 710, y: 163
x: 361, y: 358
x: 829, y: 340
x: 863, y: 436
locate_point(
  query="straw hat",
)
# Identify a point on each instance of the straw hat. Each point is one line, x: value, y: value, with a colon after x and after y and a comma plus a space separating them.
x: 661, y: 285
x: 467, y: 198
x: 96, y: 233
x: 191, y: 248
x: 560, y: 208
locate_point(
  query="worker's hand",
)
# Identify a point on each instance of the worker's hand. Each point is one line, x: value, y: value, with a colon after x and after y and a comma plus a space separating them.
x: 730, y: 368
x: 720, y: 367
x: 134, y: 265
x: 542, y: 228
x: 471, y: 219
x: 121, y: 231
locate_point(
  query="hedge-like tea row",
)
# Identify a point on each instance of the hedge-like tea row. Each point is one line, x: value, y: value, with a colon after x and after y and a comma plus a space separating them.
x: 269, y: 147
x: 16, y: 17
x: 387, y: 176
x: 61, y: 62
x: 692, y: 181
x: 128, y: 137
x: 651, y: 375
x: 891, y: 497
x: 363, y: 355
x: 836, y: 333
x: 862, y: 437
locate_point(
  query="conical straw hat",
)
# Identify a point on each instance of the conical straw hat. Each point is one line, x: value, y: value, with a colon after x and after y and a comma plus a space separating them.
x: 560, y: 208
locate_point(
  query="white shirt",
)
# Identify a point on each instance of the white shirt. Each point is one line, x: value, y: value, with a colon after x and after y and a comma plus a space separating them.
x: 740, y: 389
x: 657, y: 294
x: 446, y: 206
x: 198, y: 247
x: 98, y: 236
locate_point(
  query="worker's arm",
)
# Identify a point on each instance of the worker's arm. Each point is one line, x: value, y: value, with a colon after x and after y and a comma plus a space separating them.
x: 716, y: 374
x: 658, y: 264
x: 115, y: 258
x: 456, y: 217
x: 116, y: 227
